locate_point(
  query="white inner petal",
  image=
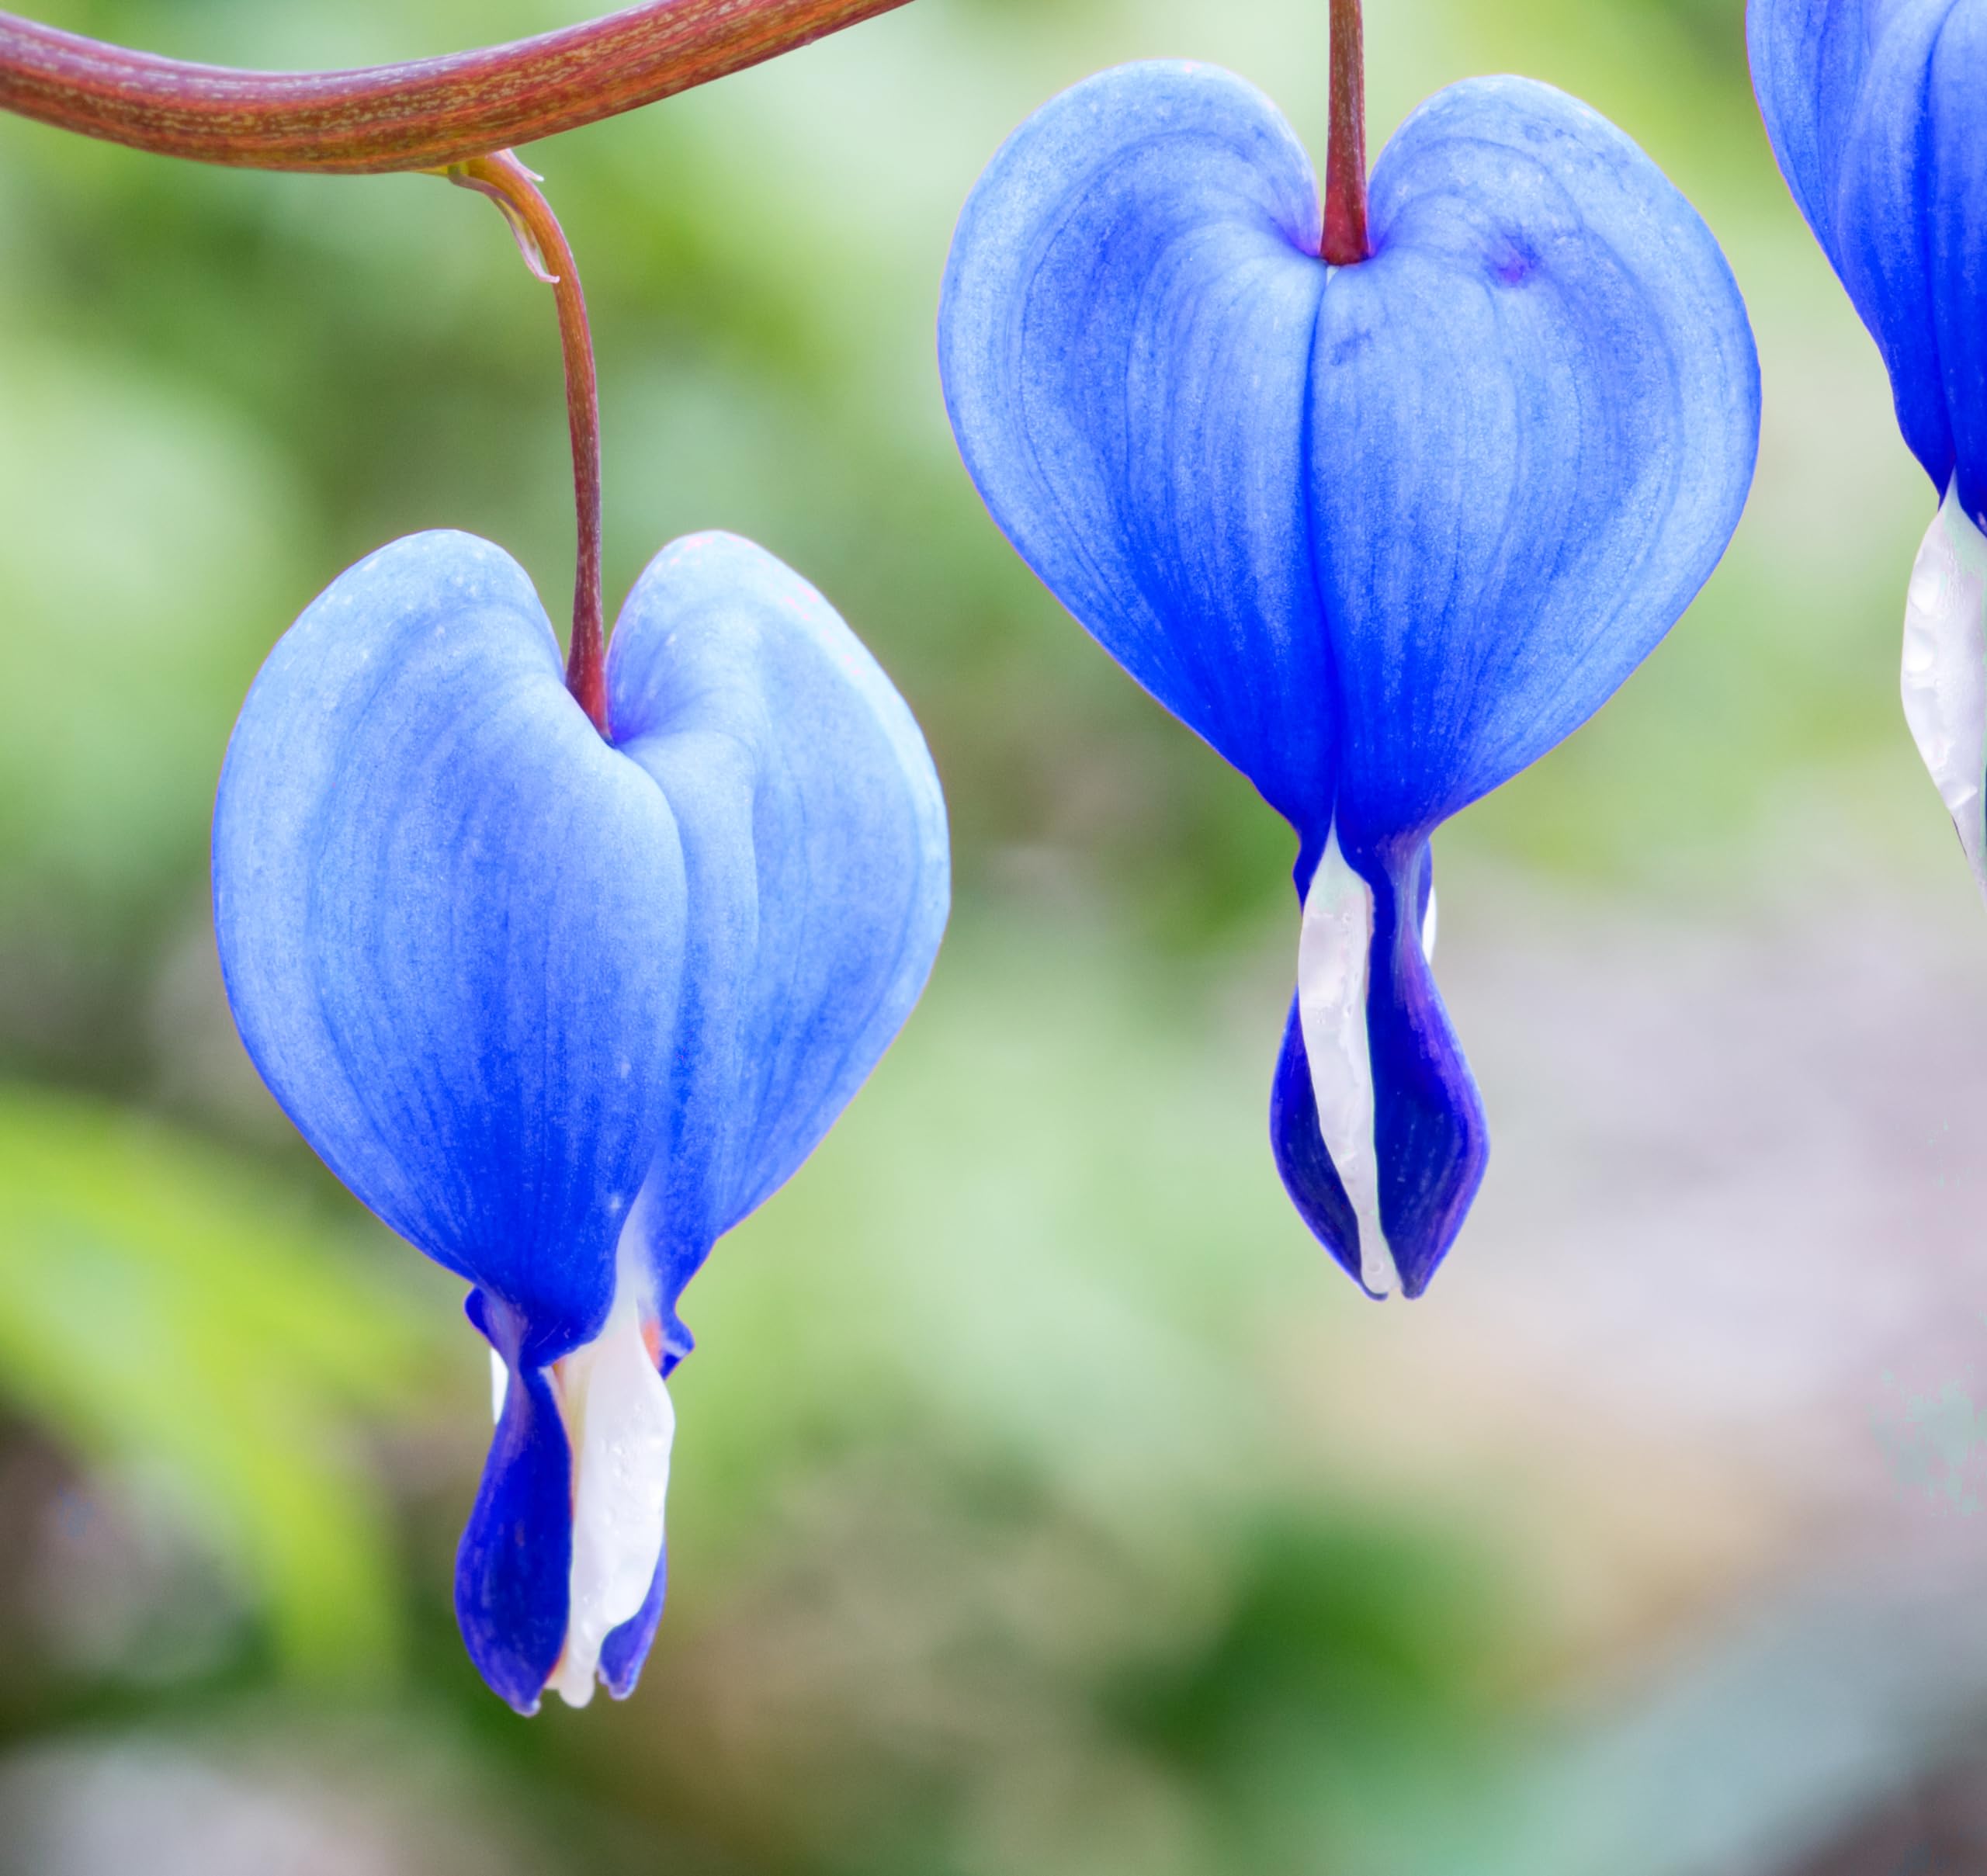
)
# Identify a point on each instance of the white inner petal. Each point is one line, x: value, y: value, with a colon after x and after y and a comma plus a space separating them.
x: 620, y: 1423
x: 1428, y: 928
x: 1332, y: 952
x: 1945, y: 669
x: 500, y: 1385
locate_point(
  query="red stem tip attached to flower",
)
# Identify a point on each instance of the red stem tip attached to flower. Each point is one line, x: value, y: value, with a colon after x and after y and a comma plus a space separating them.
x: 1345, y: 155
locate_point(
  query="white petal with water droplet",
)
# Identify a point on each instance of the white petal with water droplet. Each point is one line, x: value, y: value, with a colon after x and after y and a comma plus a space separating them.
x: 1945, y: 671
x: 620, y: 1424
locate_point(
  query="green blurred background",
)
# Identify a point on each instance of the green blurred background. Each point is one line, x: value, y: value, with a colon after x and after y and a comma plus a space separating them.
x: 1045, y: 1502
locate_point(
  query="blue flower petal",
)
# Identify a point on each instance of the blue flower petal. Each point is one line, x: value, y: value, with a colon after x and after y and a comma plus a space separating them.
x: 1808, y: 59
x: 1535, y: 415
x: 1429, y: 1132
x: 813, y: 835
x: 627, y: 1648
x: 1956, y: 240
x: 1302, y: 1155
x: 451, y: 919
x: 1126, y: 338
x: 1381, y: 534
x: 1878, y: 116
x: 513, y: 1567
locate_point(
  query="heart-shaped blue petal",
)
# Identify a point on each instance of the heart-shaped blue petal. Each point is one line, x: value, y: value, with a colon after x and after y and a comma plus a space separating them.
x: 1381, y: 534
x: 561, y: 1010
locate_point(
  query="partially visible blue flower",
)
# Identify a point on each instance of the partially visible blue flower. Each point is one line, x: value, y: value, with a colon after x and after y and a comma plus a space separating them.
x: 1878, y: 112
x: 562, y: 1010
x: 1381, y: 534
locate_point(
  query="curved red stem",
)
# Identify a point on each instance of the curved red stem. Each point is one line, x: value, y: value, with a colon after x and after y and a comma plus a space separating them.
x: 1345, y: 155
x: 418, y: 115
x: 514, y: 190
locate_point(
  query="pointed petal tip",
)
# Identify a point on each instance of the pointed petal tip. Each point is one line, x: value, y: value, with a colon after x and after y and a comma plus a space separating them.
x: 627, y: 1648
x: 513, y: 1567
x: 623, y: 1426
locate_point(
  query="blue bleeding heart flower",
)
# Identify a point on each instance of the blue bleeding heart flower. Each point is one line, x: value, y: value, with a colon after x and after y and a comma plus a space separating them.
x: 561, y: 1009
x: 1878, y: 112
x: 1381, y: 534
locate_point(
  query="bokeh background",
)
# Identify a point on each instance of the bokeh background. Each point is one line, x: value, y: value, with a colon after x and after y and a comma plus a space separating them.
x: 1044, y: 1504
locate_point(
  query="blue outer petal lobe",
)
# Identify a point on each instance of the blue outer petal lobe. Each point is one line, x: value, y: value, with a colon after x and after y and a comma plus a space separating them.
x: 627, y: 1648
x: 1126, y: 338
x: 451, y: 919
x: 1878, y: 116
x: 1535, y: 415
x: 513, y: 1565
x: 813, y: 836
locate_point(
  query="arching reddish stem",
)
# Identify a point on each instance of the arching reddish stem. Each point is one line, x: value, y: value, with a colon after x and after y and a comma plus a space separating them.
x: 1345, y: 155
x: 418, y: 115
x: 514, y: 190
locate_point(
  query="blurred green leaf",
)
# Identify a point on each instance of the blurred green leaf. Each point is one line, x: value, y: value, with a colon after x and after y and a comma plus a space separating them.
x: 159, y: 1304
x: 143, y: 566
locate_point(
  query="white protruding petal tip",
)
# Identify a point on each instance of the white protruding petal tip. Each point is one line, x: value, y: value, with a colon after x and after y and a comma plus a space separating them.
x: 620, y: 1424
x: 1945, y: 676
x: 1333, y: 953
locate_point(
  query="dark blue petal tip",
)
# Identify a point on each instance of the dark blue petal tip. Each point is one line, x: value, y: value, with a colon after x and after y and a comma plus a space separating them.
x: 513, y: 1569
